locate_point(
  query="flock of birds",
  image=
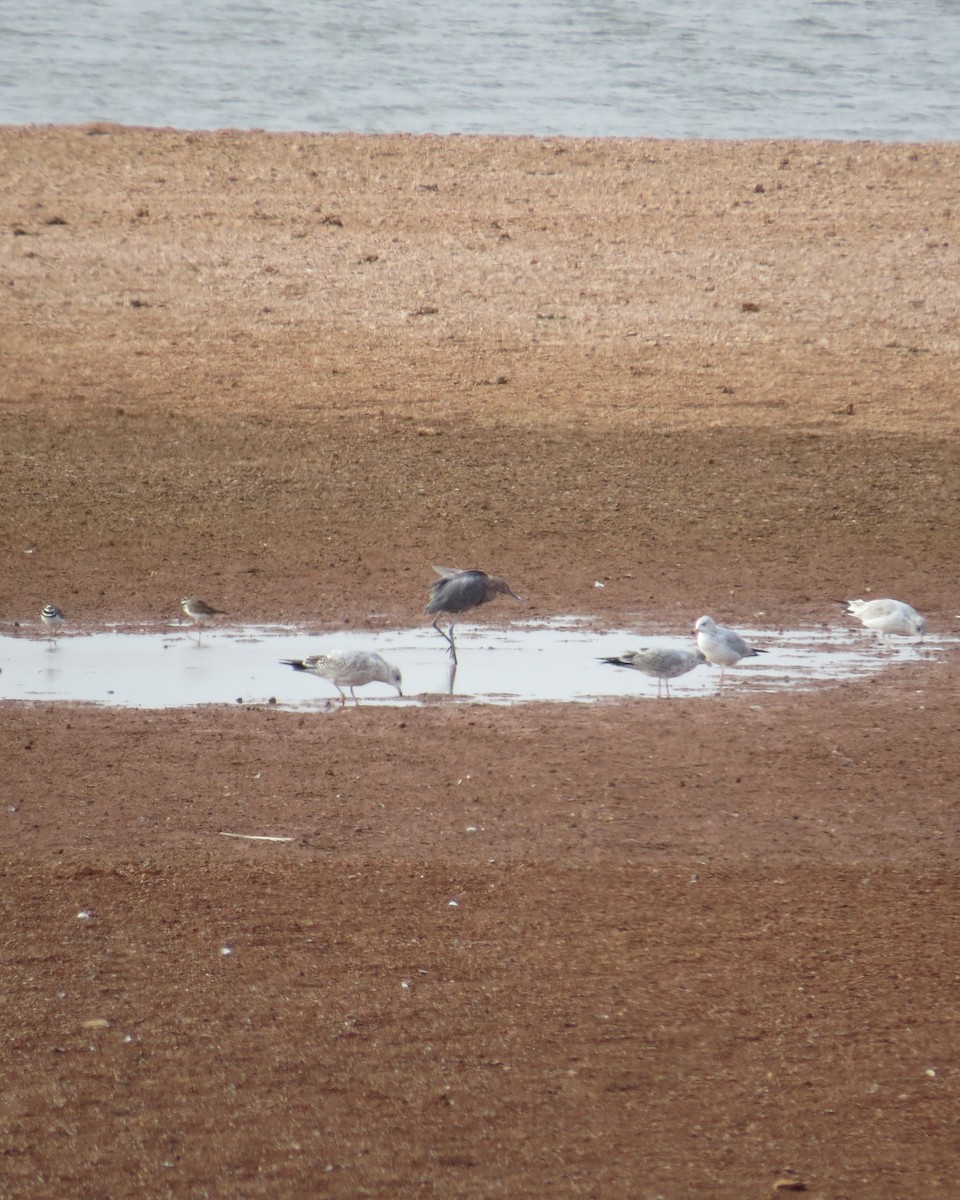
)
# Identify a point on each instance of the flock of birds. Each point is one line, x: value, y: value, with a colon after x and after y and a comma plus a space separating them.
x: 455, y: 592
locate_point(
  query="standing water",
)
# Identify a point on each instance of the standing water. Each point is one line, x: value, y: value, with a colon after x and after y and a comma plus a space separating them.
x: 549, y: 661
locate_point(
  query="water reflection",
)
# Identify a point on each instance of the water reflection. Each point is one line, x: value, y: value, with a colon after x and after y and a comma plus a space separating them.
x: 529, y: 661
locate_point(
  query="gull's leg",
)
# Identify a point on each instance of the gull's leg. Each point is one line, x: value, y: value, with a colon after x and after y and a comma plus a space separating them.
x: 667, y: 684
x: 343, y: 695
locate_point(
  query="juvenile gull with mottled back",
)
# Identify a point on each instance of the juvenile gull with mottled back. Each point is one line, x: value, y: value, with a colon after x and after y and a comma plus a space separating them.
x: 348, y: 668
x: 662, y: 663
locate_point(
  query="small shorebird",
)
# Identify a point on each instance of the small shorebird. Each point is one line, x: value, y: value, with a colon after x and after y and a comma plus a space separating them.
x: 720, y: 646
x: 198, y: 612
x: 52, y: 618
x: 886, y: 617
x: 458, y: 592
x: 348, y: 668
x: 662, y: 664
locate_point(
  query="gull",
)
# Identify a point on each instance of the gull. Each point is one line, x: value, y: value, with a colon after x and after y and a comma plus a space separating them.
x: 348, y: 668
x: 198, y: 611
x: 459, y: 591
x: 886, y: 617
x: 663, y: 664
x: 720, y: 646
x: 52, y: 617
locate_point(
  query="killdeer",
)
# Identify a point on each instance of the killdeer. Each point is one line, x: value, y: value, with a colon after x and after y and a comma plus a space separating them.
x: 52, y: 617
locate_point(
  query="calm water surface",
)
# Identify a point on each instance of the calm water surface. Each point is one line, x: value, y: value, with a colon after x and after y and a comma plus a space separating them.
x: 556, y: 660
x: 878, y: 69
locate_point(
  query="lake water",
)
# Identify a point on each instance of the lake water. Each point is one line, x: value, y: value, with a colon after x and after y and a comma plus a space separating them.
x: 848, y: 69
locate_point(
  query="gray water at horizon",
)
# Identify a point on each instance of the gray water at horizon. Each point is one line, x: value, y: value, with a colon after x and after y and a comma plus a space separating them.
x: 845, y: 69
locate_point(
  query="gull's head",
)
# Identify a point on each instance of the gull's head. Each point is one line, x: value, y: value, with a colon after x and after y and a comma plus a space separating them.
x: 394, y: 679
x: 920, y: 625
x: 705, y: 625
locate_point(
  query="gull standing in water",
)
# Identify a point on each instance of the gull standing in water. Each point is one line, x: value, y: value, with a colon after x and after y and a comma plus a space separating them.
x: 662, y: 664
x: 348, y: 668
x: 459, y: 591
x: 886, y: 617
x: 720, y: 646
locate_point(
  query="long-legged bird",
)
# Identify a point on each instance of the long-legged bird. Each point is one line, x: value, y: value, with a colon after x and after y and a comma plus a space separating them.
x: 457, y: 592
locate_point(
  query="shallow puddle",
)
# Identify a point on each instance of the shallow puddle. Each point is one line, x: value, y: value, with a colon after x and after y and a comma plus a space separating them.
x: 528, y: 661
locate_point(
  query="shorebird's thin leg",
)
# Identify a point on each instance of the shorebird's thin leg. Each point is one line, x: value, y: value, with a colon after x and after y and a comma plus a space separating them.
x: 354, y: 695
x: 667, y: 685
x: 447, y: 637
x: 343, y: 694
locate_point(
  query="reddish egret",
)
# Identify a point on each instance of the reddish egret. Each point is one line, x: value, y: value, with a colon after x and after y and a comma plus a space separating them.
x: 886, y: 617
x: 662, y: 664
x: 348, y: 668
x: 459, y: 591
x: 722, y: 647
x: 52, y: 617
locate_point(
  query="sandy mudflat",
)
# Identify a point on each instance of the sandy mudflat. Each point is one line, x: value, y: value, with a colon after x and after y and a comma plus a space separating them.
x: 624, y: 950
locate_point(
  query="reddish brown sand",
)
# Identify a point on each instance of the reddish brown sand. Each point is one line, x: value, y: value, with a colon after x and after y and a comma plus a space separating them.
x: 625, y: 950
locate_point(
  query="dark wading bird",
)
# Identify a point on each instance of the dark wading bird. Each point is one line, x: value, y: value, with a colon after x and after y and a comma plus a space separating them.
x: 457, y: 592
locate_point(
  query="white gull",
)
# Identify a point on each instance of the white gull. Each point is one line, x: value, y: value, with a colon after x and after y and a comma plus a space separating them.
x: 886, y: 617
x: 721, y: 646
